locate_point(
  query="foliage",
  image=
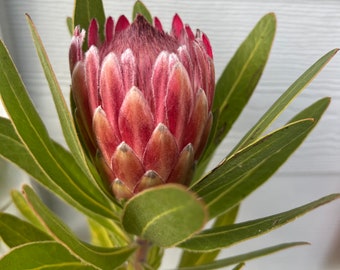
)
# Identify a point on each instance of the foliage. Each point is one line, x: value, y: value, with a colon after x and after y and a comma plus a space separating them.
x: 160, y: 217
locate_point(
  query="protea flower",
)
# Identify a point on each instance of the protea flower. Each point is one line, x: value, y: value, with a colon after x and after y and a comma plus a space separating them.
x: 143, y: 100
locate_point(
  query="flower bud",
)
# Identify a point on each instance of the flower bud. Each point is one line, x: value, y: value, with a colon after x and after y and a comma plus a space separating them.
x: 142, y: 100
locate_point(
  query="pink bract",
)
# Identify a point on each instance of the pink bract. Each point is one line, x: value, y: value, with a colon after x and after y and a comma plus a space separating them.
x: 142, y: 100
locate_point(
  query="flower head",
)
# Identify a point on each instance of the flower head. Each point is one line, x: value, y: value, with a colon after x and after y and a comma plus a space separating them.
x: 143, y: 100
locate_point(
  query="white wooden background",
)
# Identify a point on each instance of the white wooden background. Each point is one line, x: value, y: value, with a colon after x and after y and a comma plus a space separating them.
x: 306, y: 30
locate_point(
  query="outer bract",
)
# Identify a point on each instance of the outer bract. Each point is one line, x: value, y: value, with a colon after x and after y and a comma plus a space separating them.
x: 143, y: 100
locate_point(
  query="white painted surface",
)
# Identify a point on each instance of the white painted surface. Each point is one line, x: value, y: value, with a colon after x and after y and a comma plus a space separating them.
x: 306, y: 30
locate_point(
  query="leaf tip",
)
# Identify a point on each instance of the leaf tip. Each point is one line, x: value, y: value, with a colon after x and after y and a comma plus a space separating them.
x: 272, y: 16
x: 28, y: 17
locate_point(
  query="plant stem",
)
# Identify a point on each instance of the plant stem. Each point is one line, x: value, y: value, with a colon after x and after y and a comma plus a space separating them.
x: 141, y: 253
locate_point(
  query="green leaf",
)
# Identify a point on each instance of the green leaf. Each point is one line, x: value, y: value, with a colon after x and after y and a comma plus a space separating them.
x: 154, y: 257
x: 221, y: 237
x: 68, y: 266
x: 238, y: 180
x: 238, y: 81
x: 12, y: 149
x: 239, y: 266
x: 65, y: 118
x: 197, y: 258
x: 93, y: 198
x: 237, y: 176
x: 41, y: 255
x: 140, y: 8
x: 71, y: 266
x: 21, y: 204
x: 69, y: 23
x: 117, y: 234
x: 98, y: 257
x: 243, y: 172
x: 165, y: 215
x: 15, y: 232
x: 56, y: 162
x: 100, y: 236
x: 314, y: 111
x: 243, y: 257
x: 284, y: 100
x: 84, y: 12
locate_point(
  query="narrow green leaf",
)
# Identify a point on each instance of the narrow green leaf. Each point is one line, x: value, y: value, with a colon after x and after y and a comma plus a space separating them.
x: 100, y: 236
x: 239, y: 266
x: 12, y: 149
x: 154, y: 257
x: 117, y: 234
x: 66, y: 121
x: 221, y: 237
x: 69, y: 266
x: 19, y: 106
x: 15, y: 232
x: 41, y: 255
x: 21, y: 204
x: 237, y: 176
x: 98, y: 257
x: 197, y: 258
x: 69, y: 23
x: 96, y: 185
x: 284, y: 100
x: 64, y: 114
x: 238, y: 81
x: 64, y: 171
x: 264, y: 166
x: 248, y: 61
x: 243, y: 257
x: 85, y: 11
x: 314, y: 111
x: 165, y: 215
x: 140, y: 8
x: 93, y: 197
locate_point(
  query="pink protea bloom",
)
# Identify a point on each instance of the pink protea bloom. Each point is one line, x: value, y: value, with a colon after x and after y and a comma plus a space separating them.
x: 143, y: 100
